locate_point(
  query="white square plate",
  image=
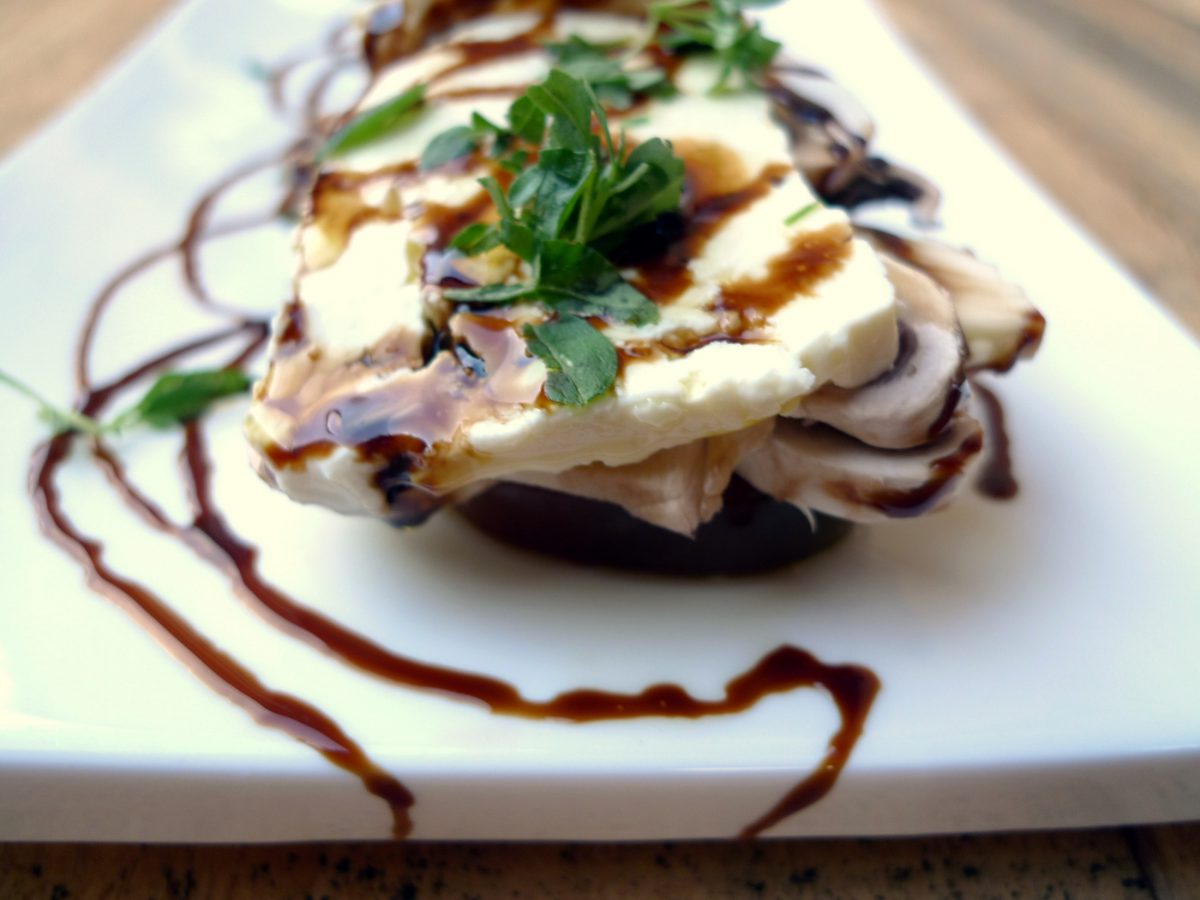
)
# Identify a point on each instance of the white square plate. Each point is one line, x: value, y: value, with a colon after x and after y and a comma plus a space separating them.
x: 1038, y: 658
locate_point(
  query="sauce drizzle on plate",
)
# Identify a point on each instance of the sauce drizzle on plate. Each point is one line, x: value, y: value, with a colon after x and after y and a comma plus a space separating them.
x: 786, y: 668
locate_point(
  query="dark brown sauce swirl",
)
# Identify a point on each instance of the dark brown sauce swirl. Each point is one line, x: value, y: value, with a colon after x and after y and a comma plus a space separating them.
x: 995, y: 478
x: 853, y: 688
x: 710, y: 204
x: 297, y: 718
x: 811, y: 258
x: 907, y: 503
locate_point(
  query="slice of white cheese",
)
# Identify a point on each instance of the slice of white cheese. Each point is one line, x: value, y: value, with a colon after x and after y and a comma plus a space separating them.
x: 355, y: 373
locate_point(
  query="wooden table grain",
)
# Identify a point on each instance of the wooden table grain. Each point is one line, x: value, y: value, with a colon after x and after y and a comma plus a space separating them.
x: 1100, y: 101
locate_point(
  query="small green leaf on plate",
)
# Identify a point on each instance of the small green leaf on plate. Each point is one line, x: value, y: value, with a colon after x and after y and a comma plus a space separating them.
x: 59, y: 418
x: 182, y: 396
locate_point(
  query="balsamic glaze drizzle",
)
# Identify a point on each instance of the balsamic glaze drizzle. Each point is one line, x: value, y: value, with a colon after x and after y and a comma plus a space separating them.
x: 995, y: 478
x: 853, y: 688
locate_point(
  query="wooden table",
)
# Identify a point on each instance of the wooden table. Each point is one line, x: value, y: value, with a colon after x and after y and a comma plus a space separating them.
x: 1100, y: 100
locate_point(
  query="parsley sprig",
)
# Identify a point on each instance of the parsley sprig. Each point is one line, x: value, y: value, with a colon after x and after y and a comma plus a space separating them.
x: 719, y: 26
x: 614, y: 83
x: 464, y: 140
x: 375, y: 123
x: 174, y: 398
x: 610, y: 81
x: 561, y: 216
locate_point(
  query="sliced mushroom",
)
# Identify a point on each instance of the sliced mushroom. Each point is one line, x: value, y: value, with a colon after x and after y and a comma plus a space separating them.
x: 831, y: 134
x: 999, y: 322
x: 815, y: 467
x: 911, y: 402
x: 679, y: 488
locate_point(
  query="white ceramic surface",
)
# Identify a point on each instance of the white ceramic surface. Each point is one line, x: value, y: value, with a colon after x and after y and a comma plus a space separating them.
x: 1039, y: 658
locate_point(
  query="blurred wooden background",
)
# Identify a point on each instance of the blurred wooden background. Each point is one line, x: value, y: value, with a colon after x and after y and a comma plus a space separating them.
x: 1100, y: 100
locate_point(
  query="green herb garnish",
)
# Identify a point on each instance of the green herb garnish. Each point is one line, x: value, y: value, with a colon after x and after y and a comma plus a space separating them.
x: 802, y: 212
x: 584, y: 61
x: 612, y: 83
x: 374, y: 123
x: 584, y: 187
x: 174, y: 398
x: 582, y: 362
x: 58, y: 418
x: 449, y: 145
x: 561, y: 216
x: 463, y: 140
x: 719, y: 26
x: 182, y: 396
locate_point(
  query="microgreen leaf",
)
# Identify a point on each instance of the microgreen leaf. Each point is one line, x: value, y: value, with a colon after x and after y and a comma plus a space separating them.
x: 581, y: 197
x: 451, y: 144
x: 490, y: 293
x: 553, y: 186
x: 526, y: 185
x: 526, y: 120
x: 496, y: 192
x: 175, y: 397
x: 719, y: 26
x: 578, y: 49
x: 653, y: 186
x: 516, y: 161
x: 374, y: 123
x: 475, y: 239
x: 612, y: 82
x: 483, y: 125
x: 182, y: 396
x: 570, y: 105
x: 520, y: 239
x: 802, y: 212
x: 582, y: 363
x: 577, y: 279
x: 463, y: 140
x: 651, y: 80
x: 59, y: 418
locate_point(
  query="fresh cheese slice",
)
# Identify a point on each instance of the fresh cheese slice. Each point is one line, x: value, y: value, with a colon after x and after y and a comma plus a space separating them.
x: 377, y: 386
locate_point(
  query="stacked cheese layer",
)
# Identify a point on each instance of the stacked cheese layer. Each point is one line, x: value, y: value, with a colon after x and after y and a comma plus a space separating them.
x: 825, y: 371
x: 360, y: 370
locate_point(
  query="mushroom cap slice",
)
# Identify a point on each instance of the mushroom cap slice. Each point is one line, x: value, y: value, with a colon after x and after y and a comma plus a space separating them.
x: 913, y: 401
x: 999, y: 322
x: 830, y: 135
x: 815, y: 467
x: 679, y: 488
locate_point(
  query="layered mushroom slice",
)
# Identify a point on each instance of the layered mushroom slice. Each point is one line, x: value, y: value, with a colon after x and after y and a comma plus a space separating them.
x: 896, y: 447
